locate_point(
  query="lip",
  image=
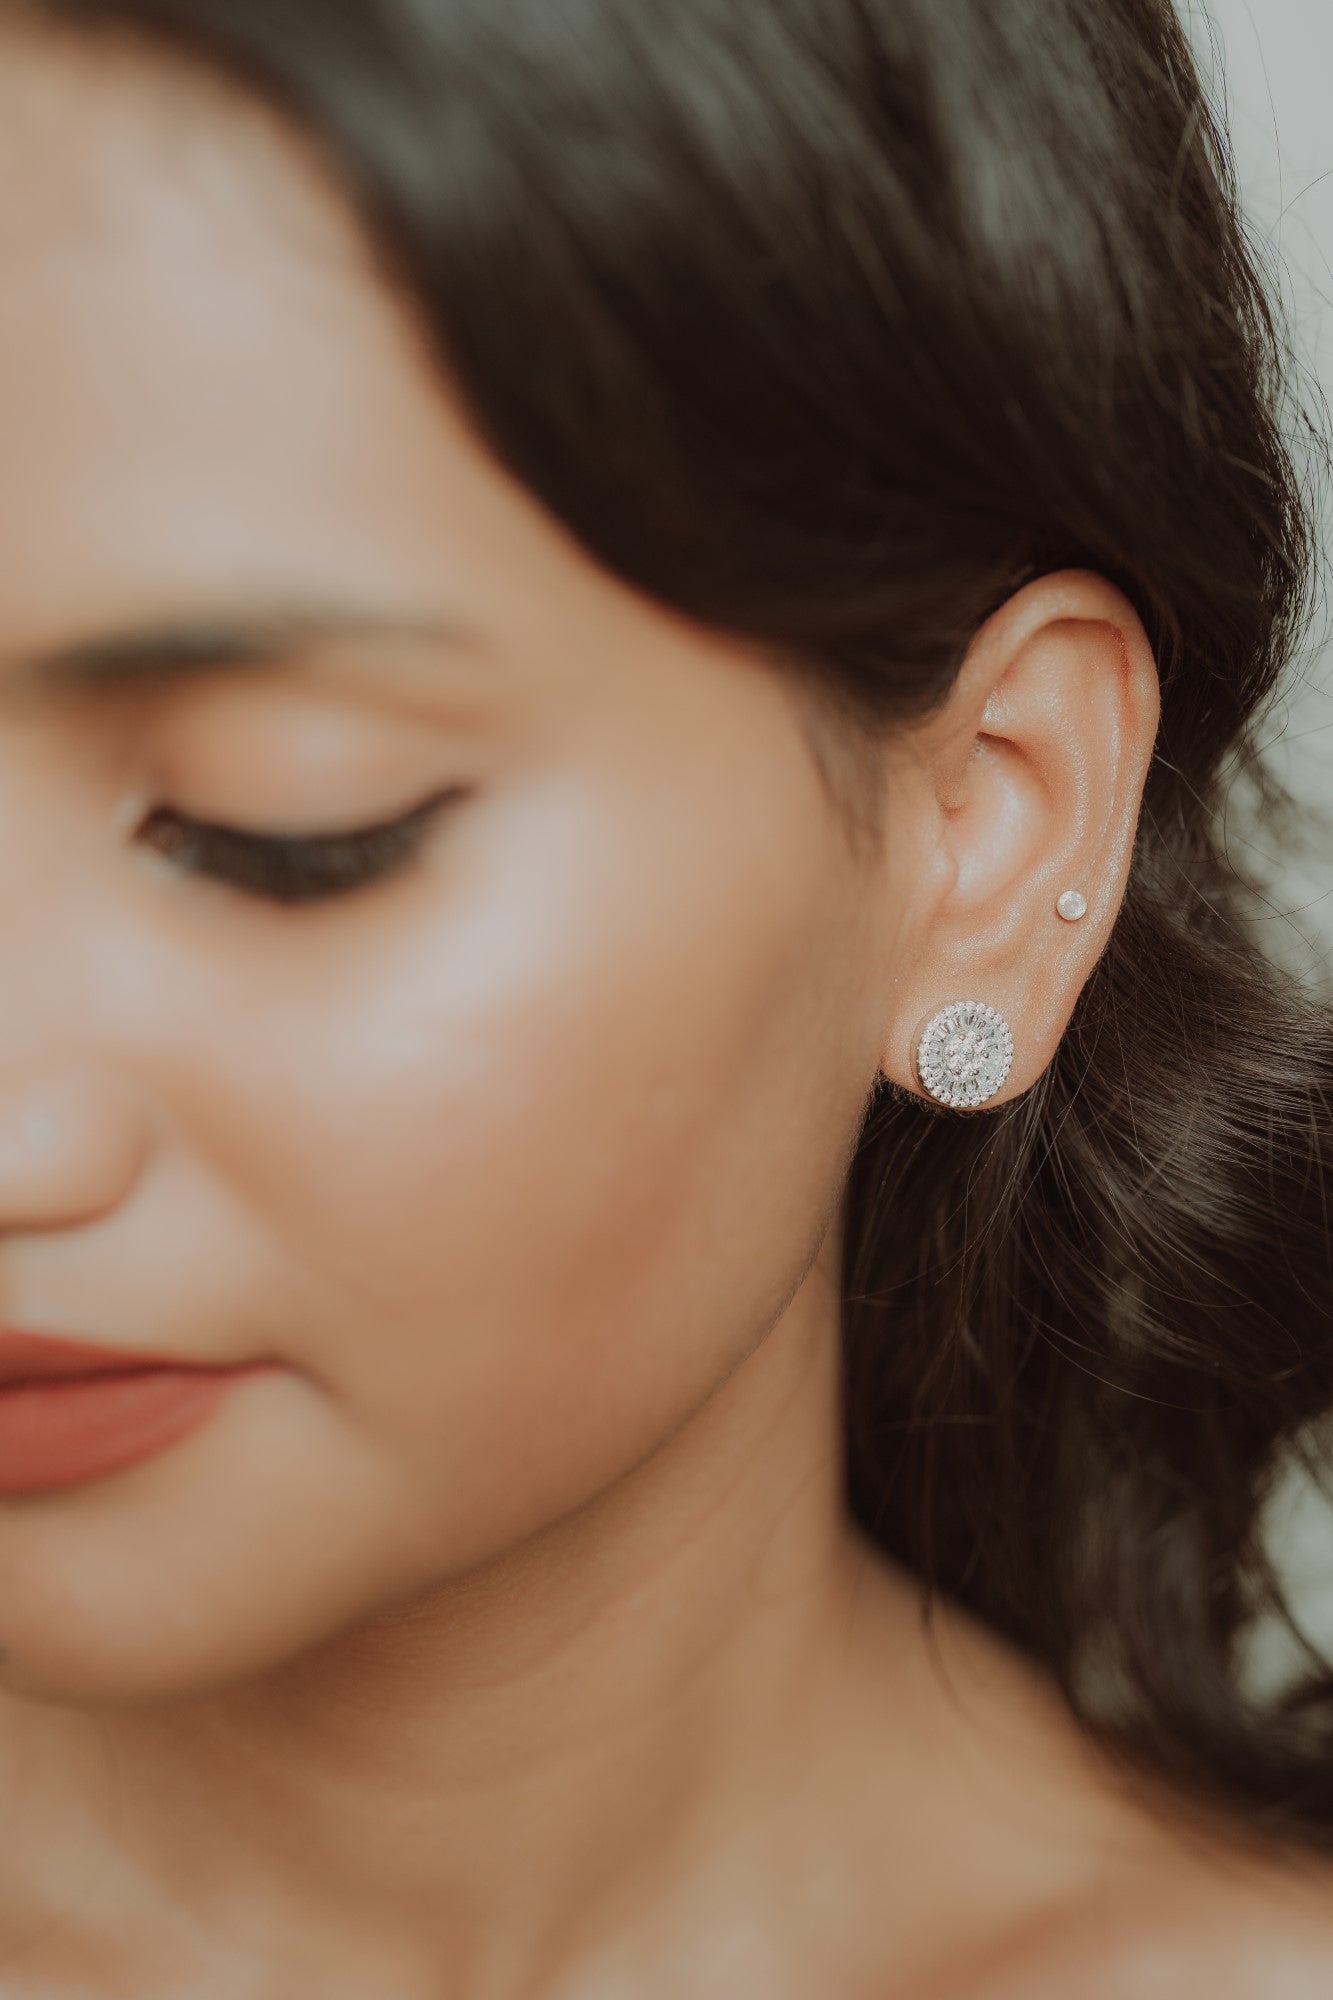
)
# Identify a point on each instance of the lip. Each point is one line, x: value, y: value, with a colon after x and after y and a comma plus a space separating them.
x: 73, y: 1410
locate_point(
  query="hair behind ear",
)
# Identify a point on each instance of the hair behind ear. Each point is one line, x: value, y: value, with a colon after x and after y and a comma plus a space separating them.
x: 1097, y: 1316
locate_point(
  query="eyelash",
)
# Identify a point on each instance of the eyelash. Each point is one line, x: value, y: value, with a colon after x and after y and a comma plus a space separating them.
x: 290, y: 870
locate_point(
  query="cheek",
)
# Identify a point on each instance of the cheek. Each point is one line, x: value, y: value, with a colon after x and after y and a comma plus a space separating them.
x: 545, y: 1172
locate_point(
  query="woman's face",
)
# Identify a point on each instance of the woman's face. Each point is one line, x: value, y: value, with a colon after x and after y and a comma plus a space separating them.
x: 503, y: 1161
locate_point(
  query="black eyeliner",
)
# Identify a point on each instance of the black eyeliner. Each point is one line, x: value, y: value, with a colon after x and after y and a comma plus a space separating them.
x: 296, y: 869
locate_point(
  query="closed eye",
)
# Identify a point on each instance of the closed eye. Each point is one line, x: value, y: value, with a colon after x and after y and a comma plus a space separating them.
x: 282, y: 868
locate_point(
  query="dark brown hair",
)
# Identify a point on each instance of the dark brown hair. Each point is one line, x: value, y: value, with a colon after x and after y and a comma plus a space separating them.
x: 831, y: 323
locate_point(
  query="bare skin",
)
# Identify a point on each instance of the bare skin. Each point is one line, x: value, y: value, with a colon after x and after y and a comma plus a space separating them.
x: 507, y: 1640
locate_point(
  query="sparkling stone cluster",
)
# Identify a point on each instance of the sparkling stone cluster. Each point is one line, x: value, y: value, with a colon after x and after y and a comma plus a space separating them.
x: 965, y: 1053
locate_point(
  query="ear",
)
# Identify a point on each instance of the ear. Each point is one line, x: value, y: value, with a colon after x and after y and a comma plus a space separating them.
x: 1027, y: 781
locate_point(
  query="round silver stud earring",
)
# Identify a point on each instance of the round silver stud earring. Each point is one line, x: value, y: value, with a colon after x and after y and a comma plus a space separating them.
x: 964, y: 1054
x: 1072, y: 905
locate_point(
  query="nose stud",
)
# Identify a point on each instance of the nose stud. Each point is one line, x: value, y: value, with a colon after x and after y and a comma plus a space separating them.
x: 1072, y: 904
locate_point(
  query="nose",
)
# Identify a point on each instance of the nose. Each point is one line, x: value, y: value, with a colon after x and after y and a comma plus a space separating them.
x: 71, y: 1144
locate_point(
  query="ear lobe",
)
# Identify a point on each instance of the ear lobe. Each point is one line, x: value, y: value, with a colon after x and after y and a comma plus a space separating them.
x: 1039, y: 758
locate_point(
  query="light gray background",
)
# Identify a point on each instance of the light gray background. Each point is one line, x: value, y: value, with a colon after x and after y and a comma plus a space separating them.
x: 1274, y: 61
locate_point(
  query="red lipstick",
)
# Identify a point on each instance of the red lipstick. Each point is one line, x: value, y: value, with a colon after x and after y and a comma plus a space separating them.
x: 71, y: 1410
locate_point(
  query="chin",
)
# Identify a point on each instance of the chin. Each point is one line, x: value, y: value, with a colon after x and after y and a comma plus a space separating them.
x: 96, y: 1662
x: 207, y: 1567
x: 96, y: 1632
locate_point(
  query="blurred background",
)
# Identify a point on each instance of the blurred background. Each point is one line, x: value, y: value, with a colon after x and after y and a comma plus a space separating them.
x: 1273, y: 59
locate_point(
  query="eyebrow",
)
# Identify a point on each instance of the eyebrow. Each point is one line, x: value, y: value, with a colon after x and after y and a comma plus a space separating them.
x: 214, y: 643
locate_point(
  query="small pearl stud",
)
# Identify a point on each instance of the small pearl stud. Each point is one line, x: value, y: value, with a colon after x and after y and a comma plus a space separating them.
x: 1072, y: 905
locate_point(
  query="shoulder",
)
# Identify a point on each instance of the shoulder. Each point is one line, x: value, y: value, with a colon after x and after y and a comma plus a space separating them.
x: 1246, y: 1935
